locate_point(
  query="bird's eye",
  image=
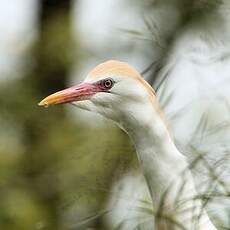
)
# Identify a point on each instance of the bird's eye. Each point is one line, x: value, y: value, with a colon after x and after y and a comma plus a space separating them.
x: 108, y: 83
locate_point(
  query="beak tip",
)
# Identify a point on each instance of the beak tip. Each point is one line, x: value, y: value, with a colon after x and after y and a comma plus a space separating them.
x: 43, y: 103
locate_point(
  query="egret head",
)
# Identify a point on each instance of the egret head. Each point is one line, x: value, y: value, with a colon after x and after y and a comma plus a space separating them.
x: 113, y: 89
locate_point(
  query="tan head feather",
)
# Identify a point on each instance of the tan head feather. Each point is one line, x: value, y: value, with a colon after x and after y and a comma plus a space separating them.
x: 123, y: 69
x: 114, y: 67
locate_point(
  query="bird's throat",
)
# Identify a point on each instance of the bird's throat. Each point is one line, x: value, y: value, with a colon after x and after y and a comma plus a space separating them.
x: 167, y: 174
x: 159, y: 158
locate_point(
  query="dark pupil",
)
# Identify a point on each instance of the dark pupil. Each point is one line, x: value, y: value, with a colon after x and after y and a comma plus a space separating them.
x: 108, y: 83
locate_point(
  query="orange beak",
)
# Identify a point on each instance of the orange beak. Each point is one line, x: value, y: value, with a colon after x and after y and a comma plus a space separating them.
x: 80, y: 92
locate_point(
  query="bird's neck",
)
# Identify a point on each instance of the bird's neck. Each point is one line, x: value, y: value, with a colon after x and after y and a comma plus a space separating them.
x: 165, y: 168
x: 160, y: 160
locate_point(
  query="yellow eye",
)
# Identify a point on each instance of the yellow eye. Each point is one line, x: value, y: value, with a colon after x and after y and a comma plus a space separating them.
x: 108, y: 83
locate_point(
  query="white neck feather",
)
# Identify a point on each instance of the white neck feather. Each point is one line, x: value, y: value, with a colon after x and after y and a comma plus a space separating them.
x: 166, y: 170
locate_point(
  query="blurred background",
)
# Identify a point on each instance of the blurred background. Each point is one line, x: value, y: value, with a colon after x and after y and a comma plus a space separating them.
x: 60, y: 167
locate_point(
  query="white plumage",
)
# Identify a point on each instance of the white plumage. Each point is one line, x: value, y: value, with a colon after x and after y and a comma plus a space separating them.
x: 117, y: 91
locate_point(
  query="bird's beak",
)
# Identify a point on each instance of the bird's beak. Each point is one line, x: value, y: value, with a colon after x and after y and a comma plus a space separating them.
x: 80, y: 92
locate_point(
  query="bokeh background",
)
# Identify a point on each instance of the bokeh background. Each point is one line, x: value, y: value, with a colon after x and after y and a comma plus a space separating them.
x: 58, y: 165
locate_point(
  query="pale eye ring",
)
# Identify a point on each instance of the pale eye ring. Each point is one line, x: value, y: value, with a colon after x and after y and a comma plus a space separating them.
x: 108, y: 83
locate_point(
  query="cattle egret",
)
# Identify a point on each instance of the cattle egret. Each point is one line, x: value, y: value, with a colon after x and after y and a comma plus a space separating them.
x: 118, y: 92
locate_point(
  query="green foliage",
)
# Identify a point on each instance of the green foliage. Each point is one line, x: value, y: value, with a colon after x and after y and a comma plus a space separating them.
x: 54, y: 170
